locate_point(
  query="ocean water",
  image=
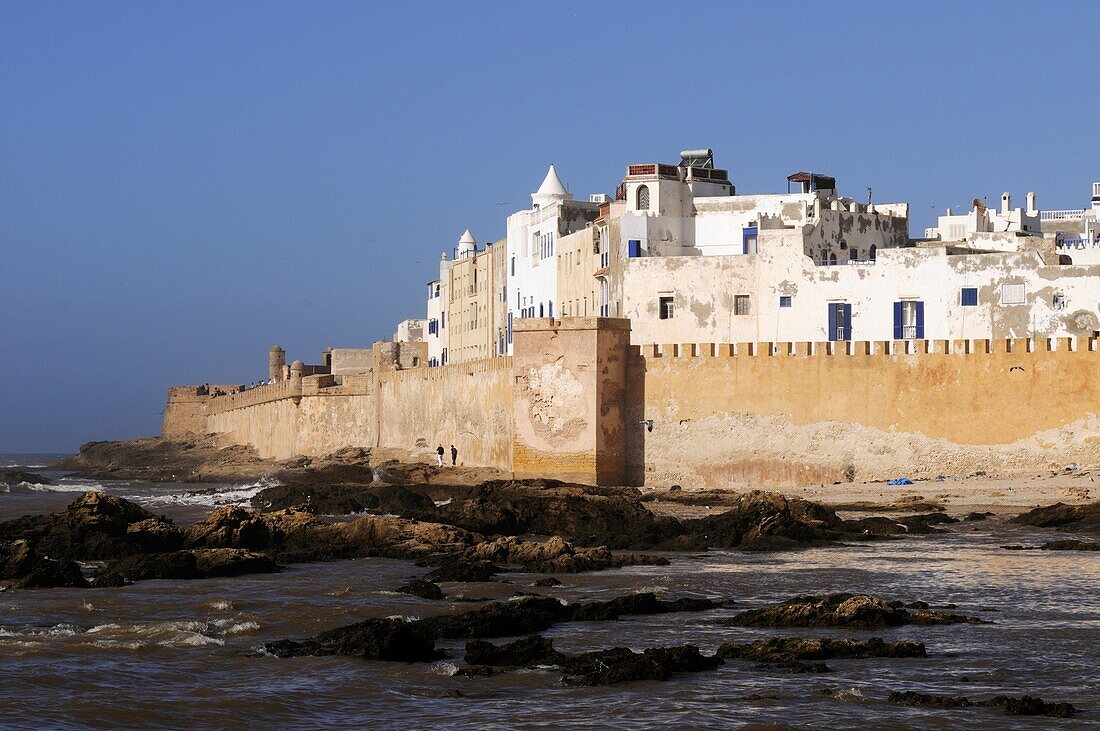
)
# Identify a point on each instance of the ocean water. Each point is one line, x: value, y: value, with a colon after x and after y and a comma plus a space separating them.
x: 187, y: 654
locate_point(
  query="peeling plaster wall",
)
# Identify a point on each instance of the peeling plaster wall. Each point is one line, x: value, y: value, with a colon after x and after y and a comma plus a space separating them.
x: 730, y: 420
x: 465, y: 404
x: 704, y: 287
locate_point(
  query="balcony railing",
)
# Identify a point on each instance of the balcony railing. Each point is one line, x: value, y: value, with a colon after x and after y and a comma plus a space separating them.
x: 1061, y: 215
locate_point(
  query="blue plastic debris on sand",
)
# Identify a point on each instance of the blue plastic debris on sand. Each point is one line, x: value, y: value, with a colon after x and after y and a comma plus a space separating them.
x: 900, y: 481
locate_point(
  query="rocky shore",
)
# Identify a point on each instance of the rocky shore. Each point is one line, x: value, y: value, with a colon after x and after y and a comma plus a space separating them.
x: 462, y: 530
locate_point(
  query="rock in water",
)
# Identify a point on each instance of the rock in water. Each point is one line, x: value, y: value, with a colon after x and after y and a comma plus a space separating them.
x: 790, y: 649
x: 620, y: 664
x: 421, y: 588
x: 526, y: 652
x: 372, y: 639
x: 855, y: 611
x: 20, y: 564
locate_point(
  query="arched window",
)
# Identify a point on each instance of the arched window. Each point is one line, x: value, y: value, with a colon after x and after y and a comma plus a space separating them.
x: 540, y: 310
x: 643, y: 198
x: 874, y: 252
x: 832, y: 257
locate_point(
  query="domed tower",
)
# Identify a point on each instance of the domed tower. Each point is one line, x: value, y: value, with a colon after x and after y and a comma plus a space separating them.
x: 467, y: 246
x: 297, y: 368
x: 276, y: 359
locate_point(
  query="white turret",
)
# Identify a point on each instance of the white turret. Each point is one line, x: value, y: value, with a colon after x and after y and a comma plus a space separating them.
x: 551, y: 190
x: 467, y: 245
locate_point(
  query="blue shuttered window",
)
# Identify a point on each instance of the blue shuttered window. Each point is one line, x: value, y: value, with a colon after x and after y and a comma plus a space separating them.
x: 840, y: 321
x: 969, y: 297
x: 909, y: 320
x: 920, y: 320
x: 633, y: 248
x: 898, y: 329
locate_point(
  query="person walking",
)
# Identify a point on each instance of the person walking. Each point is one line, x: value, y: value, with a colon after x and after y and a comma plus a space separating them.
x: 439, y: 454
x: 454, y: 455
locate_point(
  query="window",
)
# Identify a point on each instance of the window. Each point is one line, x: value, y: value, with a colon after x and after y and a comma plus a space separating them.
x: 433, y: 326
x: 909, y: 320
x: 740, y: 304
x: 509, y: 328
x: 840, y: 321
x: 443, y: 319
x: 748, y: 240
x: 785, y: 300
x: 643, y: 198
x: 605, y: 309
x: 633, y: 248
x: 550, y: 312
x: 853, y: 254
x: 1013, y: 294
x: 513, y: 266
x: 873, y: 253
x: 968, y: 297
x: 664, y: 307
x: 1058, y: 302
x: 541, y: 313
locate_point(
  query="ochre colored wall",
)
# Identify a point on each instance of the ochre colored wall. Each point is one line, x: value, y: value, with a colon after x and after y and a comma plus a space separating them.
x: 466, y: 404
x: 793, y: 418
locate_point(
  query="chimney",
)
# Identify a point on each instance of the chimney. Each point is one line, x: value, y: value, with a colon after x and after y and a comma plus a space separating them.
x: 1006, y: 203
x: 1031, y: 209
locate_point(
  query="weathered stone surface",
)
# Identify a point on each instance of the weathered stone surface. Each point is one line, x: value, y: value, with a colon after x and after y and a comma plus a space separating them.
x: 9, y: 476
x: 460, y: 569
x: 789, y: 649
x: 760, y: 521
x: 25, y: 569
x: 1077, y: 518
x: 636, y: 604
x: 372, y: 639
x: 1022, y: 706
x: 524, y: 616
x: 94, y: 526
x: 421, y: 588
x: 526, y: 652
x: 555, y: 556
x: 194, y: 564
x: 855, y: 611
x: 620, y: 664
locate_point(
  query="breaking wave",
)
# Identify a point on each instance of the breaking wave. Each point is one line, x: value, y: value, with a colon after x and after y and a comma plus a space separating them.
x: 112, y: 635
x: 214, y: 497
x: 68, y: 486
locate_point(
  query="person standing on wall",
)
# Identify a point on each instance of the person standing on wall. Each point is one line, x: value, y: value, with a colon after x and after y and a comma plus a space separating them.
x: 454, y: 455
x: 439, y: 454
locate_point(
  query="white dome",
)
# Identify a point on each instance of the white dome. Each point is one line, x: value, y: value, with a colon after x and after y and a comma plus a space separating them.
x: 467, y: 245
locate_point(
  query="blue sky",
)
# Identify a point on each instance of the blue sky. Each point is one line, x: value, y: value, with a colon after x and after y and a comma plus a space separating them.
x: 183, y: 185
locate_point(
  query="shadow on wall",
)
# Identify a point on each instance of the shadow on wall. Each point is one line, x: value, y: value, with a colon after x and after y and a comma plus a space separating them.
x: 637, y: 429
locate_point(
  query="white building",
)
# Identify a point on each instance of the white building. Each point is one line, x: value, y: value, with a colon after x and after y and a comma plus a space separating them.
x: 975, y: 226
x: 531, y: 289
x: 1077, y: 231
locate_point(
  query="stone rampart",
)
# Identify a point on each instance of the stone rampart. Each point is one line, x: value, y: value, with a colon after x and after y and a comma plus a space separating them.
x: 797, y: 413
x: 578, y: 402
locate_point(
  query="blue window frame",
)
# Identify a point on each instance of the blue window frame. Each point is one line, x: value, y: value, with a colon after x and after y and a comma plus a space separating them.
x: 748, y: 240
x: 909, y: 320
x: 840, y: 321
x: 968, y: 296
x: 442, y: 319
x: 509, y: 328
x: 633, y: 248
x: 785, y: 300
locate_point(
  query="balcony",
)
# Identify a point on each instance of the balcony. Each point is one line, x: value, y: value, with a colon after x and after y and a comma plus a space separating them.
x: 653, y: 170
x: 1061, y: 215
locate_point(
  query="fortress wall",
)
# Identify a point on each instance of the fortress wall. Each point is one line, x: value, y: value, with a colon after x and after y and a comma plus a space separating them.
x: 776, y: 414
x: 271, y: 427
x: 466, y: 404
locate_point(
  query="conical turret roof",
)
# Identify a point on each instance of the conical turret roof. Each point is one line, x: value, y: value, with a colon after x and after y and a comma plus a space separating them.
x: 551, y: 184
x: 467, y: 238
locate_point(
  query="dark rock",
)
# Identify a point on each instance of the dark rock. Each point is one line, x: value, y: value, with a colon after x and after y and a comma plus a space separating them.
x: 421, y: 588
x: 194, y: 564
x: 791, y: 649
x: 303, y: 491
x: 459, y: 570
x: 976, y: 516
x: 636, y: 604
x: 94, y: 526
x: 855, y: 611
x: 760, y: 521
x: 526, y: 652
x: 1023, y: 706
x: 477, y: 671
x: 620, y: 664
x: 231, y: 527
x: 547, y: 581
x: 26, y: 569
x: 1071, y: 545
x: 795, y: 666
x: 554, y: 556
x: 15, y: 477
x: 524, y: 616
x: 372, y: 639
x: 1077, y: 518
x: 912, y: 698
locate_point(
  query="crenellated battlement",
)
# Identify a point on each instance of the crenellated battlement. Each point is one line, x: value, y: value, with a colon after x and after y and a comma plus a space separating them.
x: 863, y: 348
